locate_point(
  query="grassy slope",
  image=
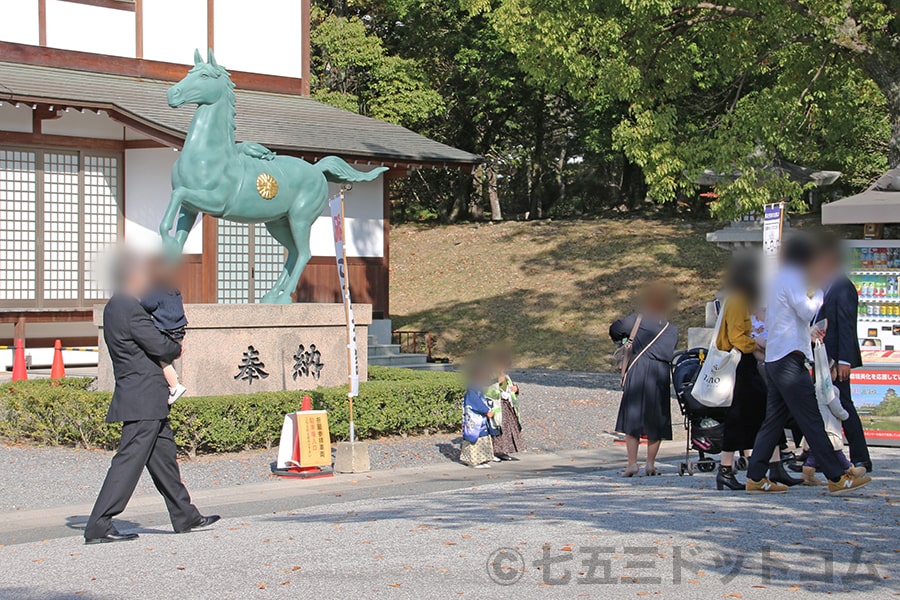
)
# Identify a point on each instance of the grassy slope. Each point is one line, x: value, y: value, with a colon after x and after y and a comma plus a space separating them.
x: 552, y: 288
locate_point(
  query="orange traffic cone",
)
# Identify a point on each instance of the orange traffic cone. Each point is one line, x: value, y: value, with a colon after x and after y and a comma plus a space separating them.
x: 19, y: 373
x: 58, y: 370
x: 307, y: 404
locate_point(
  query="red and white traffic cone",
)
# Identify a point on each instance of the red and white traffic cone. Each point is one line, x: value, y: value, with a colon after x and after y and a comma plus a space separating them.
x: 19, y: 373
x: 58, y: 370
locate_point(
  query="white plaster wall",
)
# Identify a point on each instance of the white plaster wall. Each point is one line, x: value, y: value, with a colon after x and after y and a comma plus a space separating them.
x: 148, y: 186
x: 19, y: 21
x: 173, y: 39
x: 90, y: 28
x: 262, y: 36
x: 14, y: 118
x: 363, y: 221
x: 86, y: 124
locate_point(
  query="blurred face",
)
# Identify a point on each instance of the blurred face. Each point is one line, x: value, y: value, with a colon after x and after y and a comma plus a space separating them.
x: 138, y: 281
x: 658, y: 300
x: 823, y: 268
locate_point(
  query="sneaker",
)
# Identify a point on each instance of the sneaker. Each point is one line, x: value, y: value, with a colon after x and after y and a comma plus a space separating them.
x: 809, y: 477
x: 847, y: 483
x: 764, y: 485
x: 857, y: 471
x: 176, y: 393
x: 497, y: 459
x: 482, y: 466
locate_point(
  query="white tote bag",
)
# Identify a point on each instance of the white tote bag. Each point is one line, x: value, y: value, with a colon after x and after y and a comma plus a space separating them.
x: 714, y: 386
x: 824, y: 386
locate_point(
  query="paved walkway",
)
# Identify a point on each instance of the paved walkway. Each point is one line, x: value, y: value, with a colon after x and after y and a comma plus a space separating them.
x: 551, y: 526
x: 561, y: 411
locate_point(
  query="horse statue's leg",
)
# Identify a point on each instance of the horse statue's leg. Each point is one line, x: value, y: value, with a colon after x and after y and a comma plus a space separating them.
x: 186, y: 220
x: 281, y: 231
x: 184, y: 206
x: 170, y: 244
x: 300, y: 229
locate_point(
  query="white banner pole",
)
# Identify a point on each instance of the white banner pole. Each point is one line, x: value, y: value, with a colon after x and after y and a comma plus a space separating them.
x: 340, y: 252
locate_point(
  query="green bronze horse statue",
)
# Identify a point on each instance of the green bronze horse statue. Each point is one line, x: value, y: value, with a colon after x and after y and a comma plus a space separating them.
x: 245, y: 182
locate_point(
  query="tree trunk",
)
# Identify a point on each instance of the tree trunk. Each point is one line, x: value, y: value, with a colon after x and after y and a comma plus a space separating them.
x: 633, y: 185
x: 561, y: 174
x: 461, y: 202
x: 493, y: 193
x: 534, y: 166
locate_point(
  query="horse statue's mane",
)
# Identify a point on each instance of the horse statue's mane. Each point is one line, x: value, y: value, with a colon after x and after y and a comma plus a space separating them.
x: 213, y: 69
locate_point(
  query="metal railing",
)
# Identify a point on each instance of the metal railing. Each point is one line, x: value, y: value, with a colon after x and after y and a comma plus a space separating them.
x: 414, y: 342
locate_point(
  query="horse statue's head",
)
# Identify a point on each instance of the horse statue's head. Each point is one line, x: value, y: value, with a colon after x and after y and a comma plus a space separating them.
x: 206, y: 83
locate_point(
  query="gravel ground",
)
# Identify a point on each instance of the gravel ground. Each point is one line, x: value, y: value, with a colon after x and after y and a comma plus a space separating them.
x: 560, y: 410
x: 596, y: 535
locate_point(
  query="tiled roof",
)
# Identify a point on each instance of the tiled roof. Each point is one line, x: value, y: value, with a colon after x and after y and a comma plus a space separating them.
x: 282, y: 122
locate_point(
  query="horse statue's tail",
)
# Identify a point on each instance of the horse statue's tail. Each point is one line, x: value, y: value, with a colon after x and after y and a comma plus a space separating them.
x: 336, y: 170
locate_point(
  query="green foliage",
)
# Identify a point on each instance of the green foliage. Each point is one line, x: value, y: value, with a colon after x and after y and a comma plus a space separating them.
x: 728, y: 87
x: 63, y: 412
x: 355, y: 73
x: 489, y: 106
x: 396, y: 401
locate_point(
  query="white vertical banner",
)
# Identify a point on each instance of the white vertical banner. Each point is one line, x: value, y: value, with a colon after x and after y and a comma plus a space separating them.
x: 773, y: 222
x: 337, y: 222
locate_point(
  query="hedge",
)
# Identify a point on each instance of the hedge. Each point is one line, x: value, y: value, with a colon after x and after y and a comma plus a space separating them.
x: 395, y: 401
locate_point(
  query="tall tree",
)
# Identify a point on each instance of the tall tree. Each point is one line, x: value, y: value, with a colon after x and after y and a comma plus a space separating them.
x: 724, y: 86
x: 354, y: 71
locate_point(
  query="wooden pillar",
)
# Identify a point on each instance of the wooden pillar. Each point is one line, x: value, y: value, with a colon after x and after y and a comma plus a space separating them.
x: 305, y: 15
x: 386, y: 259
x: 210, y: 25
x: 209, y: 262
x: 42, y: 23
x: 139, y: 28
x: 19, y: 329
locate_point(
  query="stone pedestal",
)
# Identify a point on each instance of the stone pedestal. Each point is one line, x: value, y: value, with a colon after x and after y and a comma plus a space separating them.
x: 246, y: 348
x: 351, y: 457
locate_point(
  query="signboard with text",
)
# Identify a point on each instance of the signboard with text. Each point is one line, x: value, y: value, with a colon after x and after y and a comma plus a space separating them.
x: 313, y: 439
x: 876, y: 394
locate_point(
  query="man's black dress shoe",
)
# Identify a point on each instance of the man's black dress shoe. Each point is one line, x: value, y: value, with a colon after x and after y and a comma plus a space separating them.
x: 778, y: 474
x: 203, y: 523
x: 864, y: 463
x: 109, y: 538
x: 795, y: 466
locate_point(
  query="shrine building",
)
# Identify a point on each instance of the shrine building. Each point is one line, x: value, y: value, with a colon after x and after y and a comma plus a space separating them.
x: 87, y: 143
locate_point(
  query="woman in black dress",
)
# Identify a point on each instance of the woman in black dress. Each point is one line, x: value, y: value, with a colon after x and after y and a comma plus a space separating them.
x: 645, y: 409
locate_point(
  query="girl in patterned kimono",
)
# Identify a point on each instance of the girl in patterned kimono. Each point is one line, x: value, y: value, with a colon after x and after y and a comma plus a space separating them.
x: 505, y: 394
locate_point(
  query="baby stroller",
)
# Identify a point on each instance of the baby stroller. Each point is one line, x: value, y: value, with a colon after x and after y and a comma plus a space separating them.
x: 704, y: 425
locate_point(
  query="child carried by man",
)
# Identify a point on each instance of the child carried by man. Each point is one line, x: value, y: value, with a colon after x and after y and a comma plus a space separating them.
x: 166, y: 308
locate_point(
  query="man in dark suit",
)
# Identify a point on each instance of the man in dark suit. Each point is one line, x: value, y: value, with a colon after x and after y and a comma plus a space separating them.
x: 140, y: 402
x: 840, y: 307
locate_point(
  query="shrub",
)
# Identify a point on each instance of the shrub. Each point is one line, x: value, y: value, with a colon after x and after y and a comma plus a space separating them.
x: 379, y: 373
x: 396, y: 401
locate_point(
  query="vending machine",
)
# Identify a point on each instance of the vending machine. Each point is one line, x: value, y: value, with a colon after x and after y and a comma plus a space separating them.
x: 874, y: 267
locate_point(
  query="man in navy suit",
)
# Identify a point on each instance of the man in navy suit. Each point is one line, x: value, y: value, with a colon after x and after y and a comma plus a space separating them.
x: 840, y: 307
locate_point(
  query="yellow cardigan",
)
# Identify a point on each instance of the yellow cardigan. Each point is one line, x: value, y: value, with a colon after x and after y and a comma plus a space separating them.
x: 736, y: 327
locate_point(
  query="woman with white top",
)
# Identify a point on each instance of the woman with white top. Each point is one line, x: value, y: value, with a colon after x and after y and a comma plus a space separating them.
x: 791, y: 392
